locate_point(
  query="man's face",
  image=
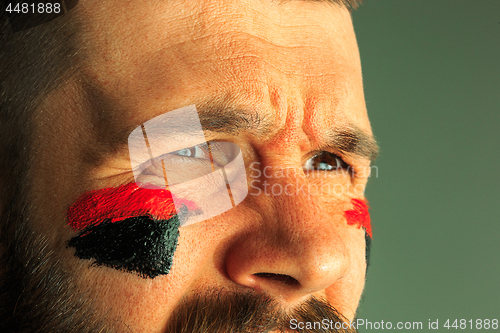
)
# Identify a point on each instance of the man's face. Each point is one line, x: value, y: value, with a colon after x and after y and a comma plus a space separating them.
x: 293, y: 65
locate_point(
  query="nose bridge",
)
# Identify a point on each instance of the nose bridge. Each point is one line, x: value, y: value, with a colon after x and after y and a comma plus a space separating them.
x: 298, y: 209
x: 294, y: 202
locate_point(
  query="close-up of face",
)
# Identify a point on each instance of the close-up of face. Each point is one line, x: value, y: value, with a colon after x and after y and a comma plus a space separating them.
x: 128, y: 226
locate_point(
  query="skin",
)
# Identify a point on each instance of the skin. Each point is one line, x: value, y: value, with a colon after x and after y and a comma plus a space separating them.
x: 296, y: 63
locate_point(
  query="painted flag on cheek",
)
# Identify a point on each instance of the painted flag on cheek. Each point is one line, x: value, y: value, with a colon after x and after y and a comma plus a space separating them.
x: 359, y: 216
x: 128, y: 228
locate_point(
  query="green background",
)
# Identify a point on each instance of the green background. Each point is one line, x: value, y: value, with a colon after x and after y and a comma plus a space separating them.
x: 431, y: 72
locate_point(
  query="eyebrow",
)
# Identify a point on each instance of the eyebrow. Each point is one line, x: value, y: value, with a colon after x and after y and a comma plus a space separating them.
x: 353, y: 140
x: 231, y: 120
x: 351, y: 5
x: 348, y: 140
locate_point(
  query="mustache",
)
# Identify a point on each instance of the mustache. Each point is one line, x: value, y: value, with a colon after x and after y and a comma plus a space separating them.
x: 219, y: 311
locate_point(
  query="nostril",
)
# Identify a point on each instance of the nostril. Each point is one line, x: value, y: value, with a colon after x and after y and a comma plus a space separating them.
x: 285, y: 279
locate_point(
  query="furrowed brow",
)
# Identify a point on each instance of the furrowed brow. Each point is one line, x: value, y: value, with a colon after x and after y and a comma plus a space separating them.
x: 224, y: 118
x: 229, y: 120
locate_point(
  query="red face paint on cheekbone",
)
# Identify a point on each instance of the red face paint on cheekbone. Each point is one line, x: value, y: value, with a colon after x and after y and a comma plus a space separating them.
x: 359, y: 215
x: 120, y: 203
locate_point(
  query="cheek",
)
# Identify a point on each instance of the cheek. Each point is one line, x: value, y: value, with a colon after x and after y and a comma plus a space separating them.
x: 359, y: 215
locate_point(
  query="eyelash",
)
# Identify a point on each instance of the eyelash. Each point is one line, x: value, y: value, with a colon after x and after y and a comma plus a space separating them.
x: 324, y: 155
x: 197, y: 157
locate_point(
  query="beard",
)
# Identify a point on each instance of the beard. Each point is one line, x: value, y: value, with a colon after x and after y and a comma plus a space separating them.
x: 37, y: 295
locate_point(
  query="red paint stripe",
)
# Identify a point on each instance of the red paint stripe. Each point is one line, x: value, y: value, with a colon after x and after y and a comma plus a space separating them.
x: 359, y: 215
x: 120, y: 203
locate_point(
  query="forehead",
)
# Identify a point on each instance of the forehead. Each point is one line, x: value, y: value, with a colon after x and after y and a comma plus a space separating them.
x: 146, y: 57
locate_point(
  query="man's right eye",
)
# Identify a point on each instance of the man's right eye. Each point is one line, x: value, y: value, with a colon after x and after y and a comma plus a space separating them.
x: 188, y: 163
x: 179, y: 166
x: 193, y: 152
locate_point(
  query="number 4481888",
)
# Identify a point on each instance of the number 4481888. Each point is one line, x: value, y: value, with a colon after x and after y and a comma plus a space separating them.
x: 40, y: 8
x: 471, y: 324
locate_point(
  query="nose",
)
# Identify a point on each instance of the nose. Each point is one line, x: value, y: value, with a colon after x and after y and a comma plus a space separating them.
x: 295, y: 249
